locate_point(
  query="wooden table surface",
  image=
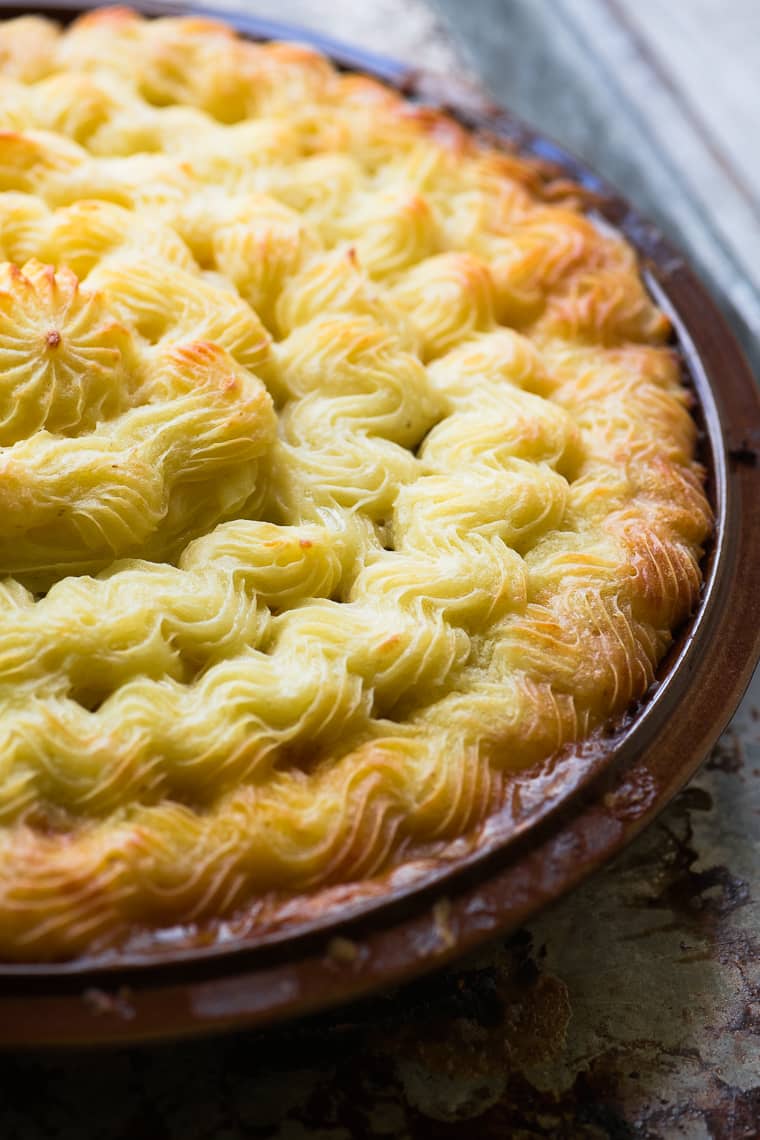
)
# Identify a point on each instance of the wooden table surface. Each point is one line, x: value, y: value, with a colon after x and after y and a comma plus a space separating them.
x: 632, y: 1008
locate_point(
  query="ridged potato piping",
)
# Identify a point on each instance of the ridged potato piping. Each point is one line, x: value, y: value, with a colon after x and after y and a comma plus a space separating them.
x: 343, y: 475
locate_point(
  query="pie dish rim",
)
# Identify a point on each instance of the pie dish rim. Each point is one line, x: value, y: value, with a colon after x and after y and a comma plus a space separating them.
x: 410, y: 930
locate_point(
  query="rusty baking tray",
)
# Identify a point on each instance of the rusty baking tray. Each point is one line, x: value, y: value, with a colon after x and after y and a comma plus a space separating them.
x: 573, y: 818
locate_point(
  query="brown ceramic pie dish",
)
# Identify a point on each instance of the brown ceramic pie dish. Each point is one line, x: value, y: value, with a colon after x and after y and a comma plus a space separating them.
x: 571, y: 820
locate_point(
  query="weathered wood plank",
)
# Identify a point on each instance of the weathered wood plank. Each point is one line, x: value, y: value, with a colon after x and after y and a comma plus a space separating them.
x: 709, y: 53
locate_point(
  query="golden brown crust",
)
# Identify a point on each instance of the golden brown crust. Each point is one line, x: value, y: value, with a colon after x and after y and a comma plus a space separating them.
x: 344, y: 476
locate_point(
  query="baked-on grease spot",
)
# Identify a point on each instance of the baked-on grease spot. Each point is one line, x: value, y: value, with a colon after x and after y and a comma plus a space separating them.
x: 704, y: 896
x: 727, y: 755
x: 699, y: 897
